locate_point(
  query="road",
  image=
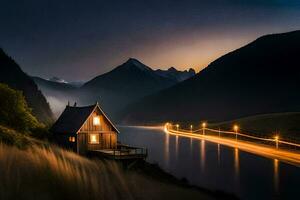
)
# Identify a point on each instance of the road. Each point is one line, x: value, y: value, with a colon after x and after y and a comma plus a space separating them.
x: 254, y: 148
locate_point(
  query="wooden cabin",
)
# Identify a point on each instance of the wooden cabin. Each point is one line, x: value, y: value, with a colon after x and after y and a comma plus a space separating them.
x: 85, y: 129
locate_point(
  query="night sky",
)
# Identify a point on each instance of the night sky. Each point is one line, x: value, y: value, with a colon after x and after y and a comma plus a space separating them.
x: 77, y: 40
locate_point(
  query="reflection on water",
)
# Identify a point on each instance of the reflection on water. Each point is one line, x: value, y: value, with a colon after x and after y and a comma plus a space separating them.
x: 176, y: 147
x: 236, y: 162
x: 166, y: 149
x: 215, y: 166
x: 236, y: 167
x: 276, y: 175
x: 202, y: 155
x: 219, y: 154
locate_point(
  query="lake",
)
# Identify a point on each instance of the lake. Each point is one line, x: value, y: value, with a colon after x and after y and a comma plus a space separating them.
x: 214, y: 166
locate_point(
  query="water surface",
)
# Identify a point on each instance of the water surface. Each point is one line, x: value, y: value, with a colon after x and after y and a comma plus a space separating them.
x: 215, y: 166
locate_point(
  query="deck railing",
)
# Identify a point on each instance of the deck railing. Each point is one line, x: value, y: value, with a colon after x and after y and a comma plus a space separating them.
x: 125, y: 150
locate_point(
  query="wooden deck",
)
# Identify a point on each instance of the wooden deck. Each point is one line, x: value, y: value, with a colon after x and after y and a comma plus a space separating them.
x: 122, y: 152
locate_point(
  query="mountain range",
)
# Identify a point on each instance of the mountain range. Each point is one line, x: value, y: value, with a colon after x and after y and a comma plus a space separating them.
x: 115, y: 90
x: 176, y: 75
x: 261, y: 77
x: 59, y: 80
x: 12, y: 75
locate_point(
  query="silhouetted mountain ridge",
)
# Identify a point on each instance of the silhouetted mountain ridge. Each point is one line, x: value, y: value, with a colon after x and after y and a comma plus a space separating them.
x: 123, y: 85
x: 58, y: 80
x: 115, y: 89
x: 12, y: 75
x: 55, y: 85
x: 174, y: 74
x: 131, y: 74
x: 261, y: 77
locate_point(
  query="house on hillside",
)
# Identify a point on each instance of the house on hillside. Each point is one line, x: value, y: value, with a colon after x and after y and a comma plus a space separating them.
x: 88, y: 130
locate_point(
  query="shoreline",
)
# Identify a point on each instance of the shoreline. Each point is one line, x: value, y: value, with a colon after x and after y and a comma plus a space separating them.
x: 155, y: 172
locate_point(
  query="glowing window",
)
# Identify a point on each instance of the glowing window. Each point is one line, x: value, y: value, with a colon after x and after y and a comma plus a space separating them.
x: 71, y: 139
x: 94, y: 138
x: 96, y: 121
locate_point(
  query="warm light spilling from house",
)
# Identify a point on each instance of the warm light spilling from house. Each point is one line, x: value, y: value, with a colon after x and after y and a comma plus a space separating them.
x: 94, y: 139
x: 96, y: 121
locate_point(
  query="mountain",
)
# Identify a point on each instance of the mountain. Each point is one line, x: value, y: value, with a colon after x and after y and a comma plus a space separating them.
x: 12, y: 75
x: 261, y: 77
x: 77, y: 84
x: 176, y: 75
x: 73, y: 83
x: 116, y: 89
x: 131, y: 75
x: 58, y: 93
x: 123, y: 85
x: 58, y: 80
x: 53, y: 85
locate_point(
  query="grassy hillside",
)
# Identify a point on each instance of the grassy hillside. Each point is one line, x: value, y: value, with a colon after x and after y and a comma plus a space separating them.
x: 39, y: 172
x: 14, y: 138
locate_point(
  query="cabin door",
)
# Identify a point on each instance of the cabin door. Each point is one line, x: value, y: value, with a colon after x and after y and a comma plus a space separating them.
x: 82, y: 143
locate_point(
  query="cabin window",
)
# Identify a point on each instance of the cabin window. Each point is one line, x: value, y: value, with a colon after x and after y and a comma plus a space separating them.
x: 71, y: 139
x: 96, y: 121
x: 94, y: 138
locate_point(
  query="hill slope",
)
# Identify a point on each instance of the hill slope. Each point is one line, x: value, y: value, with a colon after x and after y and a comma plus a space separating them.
x: 12, y: 75
x: 53, y: 167
x: 261, y: 77
x: 286, y: 125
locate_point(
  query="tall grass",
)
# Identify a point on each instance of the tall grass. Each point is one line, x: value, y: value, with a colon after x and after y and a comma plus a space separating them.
x: 52, y: 173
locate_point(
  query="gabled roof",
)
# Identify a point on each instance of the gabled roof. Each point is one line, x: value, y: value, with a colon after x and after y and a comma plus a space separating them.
x: 73, y: 118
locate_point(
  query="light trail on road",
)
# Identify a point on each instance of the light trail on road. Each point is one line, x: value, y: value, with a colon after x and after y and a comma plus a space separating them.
x: 258, y: 149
